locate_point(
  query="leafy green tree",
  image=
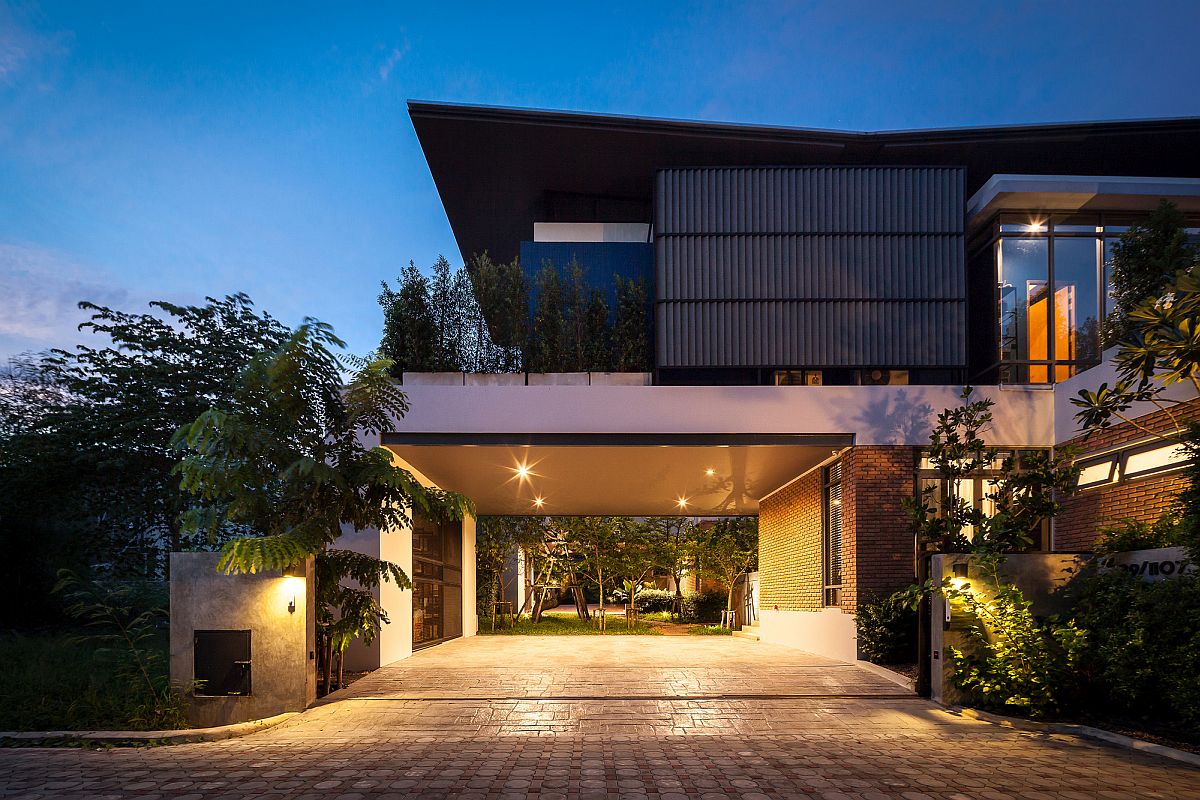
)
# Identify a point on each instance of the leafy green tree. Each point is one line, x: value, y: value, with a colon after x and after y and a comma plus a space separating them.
x: 283, y: 465
x: 1144, y: 260
x: 85, y: 444
x: 728, y: 550
x: 630, y: 336
x: 595, y: 544
x: 597, y: 335
x: 410, y: 332
x: 1160, y: 348
x: 497, y: 540
x: 502, y: 293
x: 548, y: 335
x: 679, y: 550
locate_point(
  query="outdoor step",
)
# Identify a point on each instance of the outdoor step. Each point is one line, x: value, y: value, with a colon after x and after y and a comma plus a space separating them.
x: 754, y: 624
x: 745, y: 634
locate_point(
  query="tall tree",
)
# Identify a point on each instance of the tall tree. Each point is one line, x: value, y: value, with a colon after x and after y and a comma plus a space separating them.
x: 409, y: 330
x: 283, y: 466
x: 548, y: 335
x: 1144, y: 260
x: 630, y: 336
x: 103, y: 438
x: 678, y: 551
x: 728, y: 550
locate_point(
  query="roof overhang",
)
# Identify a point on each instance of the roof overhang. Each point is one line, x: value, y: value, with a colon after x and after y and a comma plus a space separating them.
x: 500, y: 170
x: 1080, y: 193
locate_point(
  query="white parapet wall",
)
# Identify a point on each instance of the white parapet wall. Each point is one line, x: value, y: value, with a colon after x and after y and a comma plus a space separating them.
x: 829, y: 632
x: 278, y: 611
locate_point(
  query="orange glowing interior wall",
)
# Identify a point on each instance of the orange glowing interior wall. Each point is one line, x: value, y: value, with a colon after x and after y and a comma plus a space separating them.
x: 1064, y: 333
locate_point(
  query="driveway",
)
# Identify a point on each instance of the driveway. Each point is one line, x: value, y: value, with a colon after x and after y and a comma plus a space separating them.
x: 639, y: 716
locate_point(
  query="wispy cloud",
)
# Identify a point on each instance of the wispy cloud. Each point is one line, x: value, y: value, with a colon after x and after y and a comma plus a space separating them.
x: 394, y: 57
x: 41, y: 290
x: 21, y: 48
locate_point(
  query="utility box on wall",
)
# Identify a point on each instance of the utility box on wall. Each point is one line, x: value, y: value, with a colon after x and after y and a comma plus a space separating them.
x: 243, y: 646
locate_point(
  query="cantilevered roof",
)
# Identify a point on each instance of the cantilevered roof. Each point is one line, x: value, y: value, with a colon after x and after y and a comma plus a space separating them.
x: 499, y: 170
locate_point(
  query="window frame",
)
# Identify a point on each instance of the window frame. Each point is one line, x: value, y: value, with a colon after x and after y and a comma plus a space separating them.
x: 831, y: 593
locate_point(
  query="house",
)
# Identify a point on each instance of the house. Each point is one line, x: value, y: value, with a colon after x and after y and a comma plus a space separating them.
x: 817, y: 297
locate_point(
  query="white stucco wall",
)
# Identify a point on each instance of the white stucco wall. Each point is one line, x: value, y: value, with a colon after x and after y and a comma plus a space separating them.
x: 874, y: 414
x: 828, y: 632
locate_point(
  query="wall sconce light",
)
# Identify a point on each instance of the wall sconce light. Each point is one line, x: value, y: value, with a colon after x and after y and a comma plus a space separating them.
x: 960, y: 570
x: 294, y: 577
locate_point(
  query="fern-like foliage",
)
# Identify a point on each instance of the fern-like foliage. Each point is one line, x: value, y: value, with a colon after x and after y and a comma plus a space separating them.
x: 284, y: 467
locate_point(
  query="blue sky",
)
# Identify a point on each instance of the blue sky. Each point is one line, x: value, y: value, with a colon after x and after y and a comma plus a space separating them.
x: 174, y: 150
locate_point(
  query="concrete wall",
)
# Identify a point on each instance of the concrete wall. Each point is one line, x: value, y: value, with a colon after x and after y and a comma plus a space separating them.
x: 395, y: 640
x: 829, y: 632
x: 1038, y: 575
x: 879, y: 415
x: 282, y: 644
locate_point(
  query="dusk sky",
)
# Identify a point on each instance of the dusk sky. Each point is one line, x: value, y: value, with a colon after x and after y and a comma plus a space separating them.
x: 177, y: 150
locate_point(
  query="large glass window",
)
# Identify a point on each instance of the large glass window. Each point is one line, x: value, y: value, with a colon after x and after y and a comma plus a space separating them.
x: 1053, y: 292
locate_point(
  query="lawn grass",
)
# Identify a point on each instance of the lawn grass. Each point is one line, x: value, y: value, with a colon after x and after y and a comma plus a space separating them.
x: 52, y: 682
x: 563, y: 625
x: 710, y: 630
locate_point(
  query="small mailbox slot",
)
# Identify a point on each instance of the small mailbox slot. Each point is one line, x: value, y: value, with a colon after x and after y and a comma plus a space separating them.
x: 222, y: 663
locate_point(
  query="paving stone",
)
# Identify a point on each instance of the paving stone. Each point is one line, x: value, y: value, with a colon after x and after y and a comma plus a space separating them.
x: 641, y: 717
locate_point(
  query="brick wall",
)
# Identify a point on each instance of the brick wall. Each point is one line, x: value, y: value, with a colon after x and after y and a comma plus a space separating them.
x: 1142, y: 499
x: 789, y: 547
x: 879, y: 544
x: 876, y: 540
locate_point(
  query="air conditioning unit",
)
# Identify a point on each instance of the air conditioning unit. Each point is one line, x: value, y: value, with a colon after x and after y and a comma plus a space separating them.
x: 883, y: 377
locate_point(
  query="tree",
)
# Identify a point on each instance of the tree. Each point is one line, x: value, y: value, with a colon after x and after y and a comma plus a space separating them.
x: 502, y: 293
x: 497, y: 540
x: 548, y: 335
x: 283, y: 465
x: 409, y: 329
x: 85, y: 450
x: 1144, y: 260
x: 727, y: 550
x: 630, y: 336
x: 642, y: 552
x: 1160, y: 348
x: 679, y: 544
x: 595, y: 544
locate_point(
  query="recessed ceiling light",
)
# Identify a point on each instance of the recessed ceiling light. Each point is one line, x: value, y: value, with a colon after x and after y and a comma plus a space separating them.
x: 539, y: 501
x: 682, y: 502
x: 710, y: 472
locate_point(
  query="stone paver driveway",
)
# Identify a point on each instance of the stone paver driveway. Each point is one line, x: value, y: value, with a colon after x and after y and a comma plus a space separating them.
x: 637, y: 717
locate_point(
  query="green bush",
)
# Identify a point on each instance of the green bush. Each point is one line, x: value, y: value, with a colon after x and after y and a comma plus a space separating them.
x: 1127, y: 534
x: 1143, y: 652
x: 649, y: 600
x: 703, y: 606
x: 887, y: 630
x: 1011, y: 659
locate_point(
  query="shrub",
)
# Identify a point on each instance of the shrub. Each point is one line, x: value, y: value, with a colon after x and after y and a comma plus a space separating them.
x: 1143, y: 651
x: 1127, y: 534
x: 1011, y: 659
x: 703, y: 606
x: 887, y: 630
x: 649, y: 600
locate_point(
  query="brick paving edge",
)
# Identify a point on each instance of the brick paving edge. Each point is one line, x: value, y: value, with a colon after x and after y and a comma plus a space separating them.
x: 1081, y: 731
x: 139, y: 738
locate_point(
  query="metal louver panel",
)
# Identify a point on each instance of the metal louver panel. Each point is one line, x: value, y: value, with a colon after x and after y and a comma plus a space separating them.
x: 810, y: 266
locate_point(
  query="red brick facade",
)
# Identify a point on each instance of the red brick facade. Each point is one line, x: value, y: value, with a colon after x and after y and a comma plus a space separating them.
x: 1141, y: 499
x: 879, y: 546
x: 876, y: 540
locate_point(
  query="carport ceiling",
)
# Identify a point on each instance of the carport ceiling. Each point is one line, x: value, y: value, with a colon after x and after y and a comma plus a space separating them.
x: 617, y: 475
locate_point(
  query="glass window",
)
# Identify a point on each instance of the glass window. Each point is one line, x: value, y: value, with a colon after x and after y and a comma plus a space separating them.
x: 1023, y: 274
x: 832, y: 549
x: 1076, y: 304
x: 1097, y: 473
x: 1154, y: 459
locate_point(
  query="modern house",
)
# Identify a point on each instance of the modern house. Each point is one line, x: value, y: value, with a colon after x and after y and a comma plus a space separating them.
x: 818, y: 297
